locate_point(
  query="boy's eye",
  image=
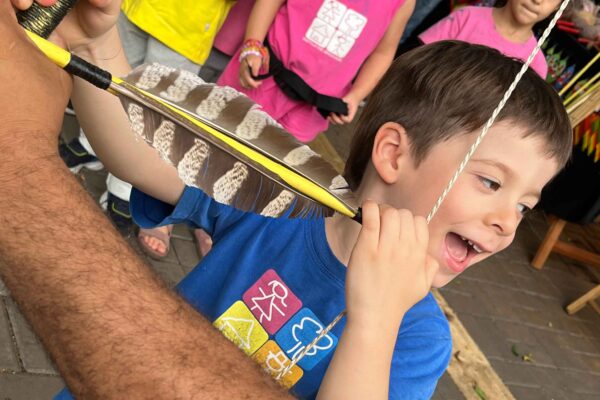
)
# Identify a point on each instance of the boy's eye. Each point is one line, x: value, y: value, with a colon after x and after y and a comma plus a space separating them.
x: 523, y: 209
x: 490, y: 184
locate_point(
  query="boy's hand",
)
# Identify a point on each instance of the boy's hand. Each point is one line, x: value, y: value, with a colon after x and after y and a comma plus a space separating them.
x: 389, y: 269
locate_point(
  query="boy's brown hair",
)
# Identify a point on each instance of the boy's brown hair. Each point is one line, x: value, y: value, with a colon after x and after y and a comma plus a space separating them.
x: 450, y: 87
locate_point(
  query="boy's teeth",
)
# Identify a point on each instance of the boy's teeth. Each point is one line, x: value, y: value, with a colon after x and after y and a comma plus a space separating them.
x: 473, y: 245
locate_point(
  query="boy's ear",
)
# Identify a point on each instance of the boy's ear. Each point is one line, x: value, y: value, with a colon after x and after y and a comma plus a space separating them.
x: 391, y: 151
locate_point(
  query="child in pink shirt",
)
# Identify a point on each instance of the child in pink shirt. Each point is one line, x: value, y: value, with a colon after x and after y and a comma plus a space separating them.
x: 325, y: 43
x: 507, y: 28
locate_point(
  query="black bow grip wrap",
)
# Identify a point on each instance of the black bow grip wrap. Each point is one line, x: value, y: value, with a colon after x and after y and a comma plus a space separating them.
x: 43, y: 20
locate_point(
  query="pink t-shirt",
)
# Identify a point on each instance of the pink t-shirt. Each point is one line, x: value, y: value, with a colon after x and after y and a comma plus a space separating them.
x: 326, y: 42
x: 231, y: 35
x: 476, y: 25
x: 323, y: 41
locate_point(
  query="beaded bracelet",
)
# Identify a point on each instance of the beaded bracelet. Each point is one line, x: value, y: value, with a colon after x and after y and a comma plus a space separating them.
x: 256, y: 48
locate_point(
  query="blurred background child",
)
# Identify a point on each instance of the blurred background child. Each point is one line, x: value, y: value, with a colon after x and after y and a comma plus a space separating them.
x: 228, y: 40
x: 507, y: 27
x: 322, y: 58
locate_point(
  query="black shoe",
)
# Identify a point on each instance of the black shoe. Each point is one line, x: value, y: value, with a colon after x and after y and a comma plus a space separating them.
x: 77, y: 157
x: 118, y: 211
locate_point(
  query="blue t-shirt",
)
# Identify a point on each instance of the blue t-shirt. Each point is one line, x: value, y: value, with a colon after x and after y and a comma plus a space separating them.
x: 270, y: 285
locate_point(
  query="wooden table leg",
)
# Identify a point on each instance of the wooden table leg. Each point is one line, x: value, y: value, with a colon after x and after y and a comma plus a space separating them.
x: 583, y: 300
x: 547, y: 244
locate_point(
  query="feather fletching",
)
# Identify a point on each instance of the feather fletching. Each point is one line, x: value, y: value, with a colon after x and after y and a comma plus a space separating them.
x: 180, y: 118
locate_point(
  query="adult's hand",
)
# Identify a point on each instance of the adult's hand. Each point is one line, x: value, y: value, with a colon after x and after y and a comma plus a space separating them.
x: 33, y: 91
x: 88, y: 22
x: 25, y: 4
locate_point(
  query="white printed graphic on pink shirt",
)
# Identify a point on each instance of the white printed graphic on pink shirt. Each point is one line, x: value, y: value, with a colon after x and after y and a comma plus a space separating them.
x: 335, y: 28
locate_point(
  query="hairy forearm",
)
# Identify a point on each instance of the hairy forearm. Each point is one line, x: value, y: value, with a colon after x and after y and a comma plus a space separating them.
x: 105, y: 123
x: 360, y: 368
x: 113, y: 329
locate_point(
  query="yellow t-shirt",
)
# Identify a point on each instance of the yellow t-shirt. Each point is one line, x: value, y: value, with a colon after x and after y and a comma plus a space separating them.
x: 186, y: 26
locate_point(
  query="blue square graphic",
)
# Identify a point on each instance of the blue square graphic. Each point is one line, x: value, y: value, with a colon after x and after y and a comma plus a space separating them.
x: 300, y: 331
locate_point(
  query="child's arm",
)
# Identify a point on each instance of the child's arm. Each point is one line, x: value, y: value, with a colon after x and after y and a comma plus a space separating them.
x: 376, y: 64
x: 260, y: 20
x: 89, y: 30
x: 105, y: 123
x: 389, y: 271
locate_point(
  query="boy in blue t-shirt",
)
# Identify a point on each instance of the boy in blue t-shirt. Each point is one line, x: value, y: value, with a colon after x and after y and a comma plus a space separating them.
x: 270, y: 285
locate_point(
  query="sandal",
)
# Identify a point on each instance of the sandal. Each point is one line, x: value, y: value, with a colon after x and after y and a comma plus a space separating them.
x: 158, y: 234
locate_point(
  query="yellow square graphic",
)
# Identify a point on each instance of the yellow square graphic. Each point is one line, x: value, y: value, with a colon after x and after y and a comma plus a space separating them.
x: 239, y: 325
x: 273, y: 360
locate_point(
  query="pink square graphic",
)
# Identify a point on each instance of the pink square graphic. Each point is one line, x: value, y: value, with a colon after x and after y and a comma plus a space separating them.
x: 271, y: 301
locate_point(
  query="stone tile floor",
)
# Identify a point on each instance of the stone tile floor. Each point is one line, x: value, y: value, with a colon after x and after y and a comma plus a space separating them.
x: 506, y: 306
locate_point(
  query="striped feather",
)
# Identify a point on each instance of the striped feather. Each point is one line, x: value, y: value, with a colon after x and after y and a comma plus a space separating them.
x: 204, y: 161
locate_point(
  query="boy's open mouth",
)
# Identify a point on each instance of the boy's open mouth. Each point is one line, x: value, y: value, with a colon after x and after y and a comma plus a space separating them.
x: 459, y: 251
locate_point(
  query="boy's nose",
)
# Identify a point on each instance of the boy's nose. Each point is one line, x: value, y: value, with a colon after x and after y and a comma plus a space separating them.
x: 503, y: 221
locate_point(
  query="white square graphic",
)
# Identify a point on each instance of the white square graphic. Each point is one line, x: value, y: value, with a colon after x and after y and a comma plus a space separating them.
x: 340, y: 45
x: 320, y: 33
x: 335, y: 28
x: 352, y: 24
x: 331, y: 12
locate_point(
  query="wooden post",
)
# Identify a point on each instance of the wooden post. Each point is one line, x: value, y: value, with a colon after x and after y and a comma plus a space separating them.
x: 548, y: 243
x: 583, y: 300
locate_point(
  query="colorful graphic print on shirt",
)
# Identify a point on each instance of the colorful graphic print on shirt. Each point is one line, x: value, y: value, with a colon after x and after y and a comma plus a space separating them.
x: 270, y: 325
x: 335, y: 29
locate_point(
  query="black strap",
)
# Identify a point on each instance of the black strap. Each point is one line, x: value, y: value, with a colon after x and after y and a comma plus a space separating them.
x: 295, y: 88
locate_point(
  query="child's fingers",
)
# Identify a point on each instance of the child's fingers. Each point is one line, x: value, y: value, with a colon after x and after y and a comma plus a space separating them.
x: 22, y: 4
x: 25, y: 4
x: 421, y: 231
x: 390, y: 230
x: 336, y: 119
x: 346, y: 119
x: 245, y: 77
x: 369, y: 233
x: 407, y: 227
x: 254, y: 63
x: 370, y: 214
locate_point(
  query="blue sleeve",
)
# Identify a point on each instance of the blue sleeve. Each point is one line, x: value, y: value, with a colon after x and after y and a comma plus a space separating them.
x: 194, y: 208
x: 420, y: 357
x: 63, y: 395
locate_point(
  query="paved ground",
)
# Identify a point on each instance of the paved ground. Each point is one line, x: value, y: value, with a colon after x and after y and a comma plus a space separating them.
x: 510, y: 309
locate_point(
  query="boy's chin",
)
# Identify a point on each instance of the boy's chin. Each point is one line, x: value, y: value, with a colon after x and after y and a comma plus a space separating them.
x: 443, y: 277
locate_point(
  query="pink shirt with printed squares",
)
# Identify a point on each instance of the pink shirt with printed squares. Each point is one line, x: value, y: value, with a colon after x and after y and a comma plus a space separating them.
x: 325, y: 42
